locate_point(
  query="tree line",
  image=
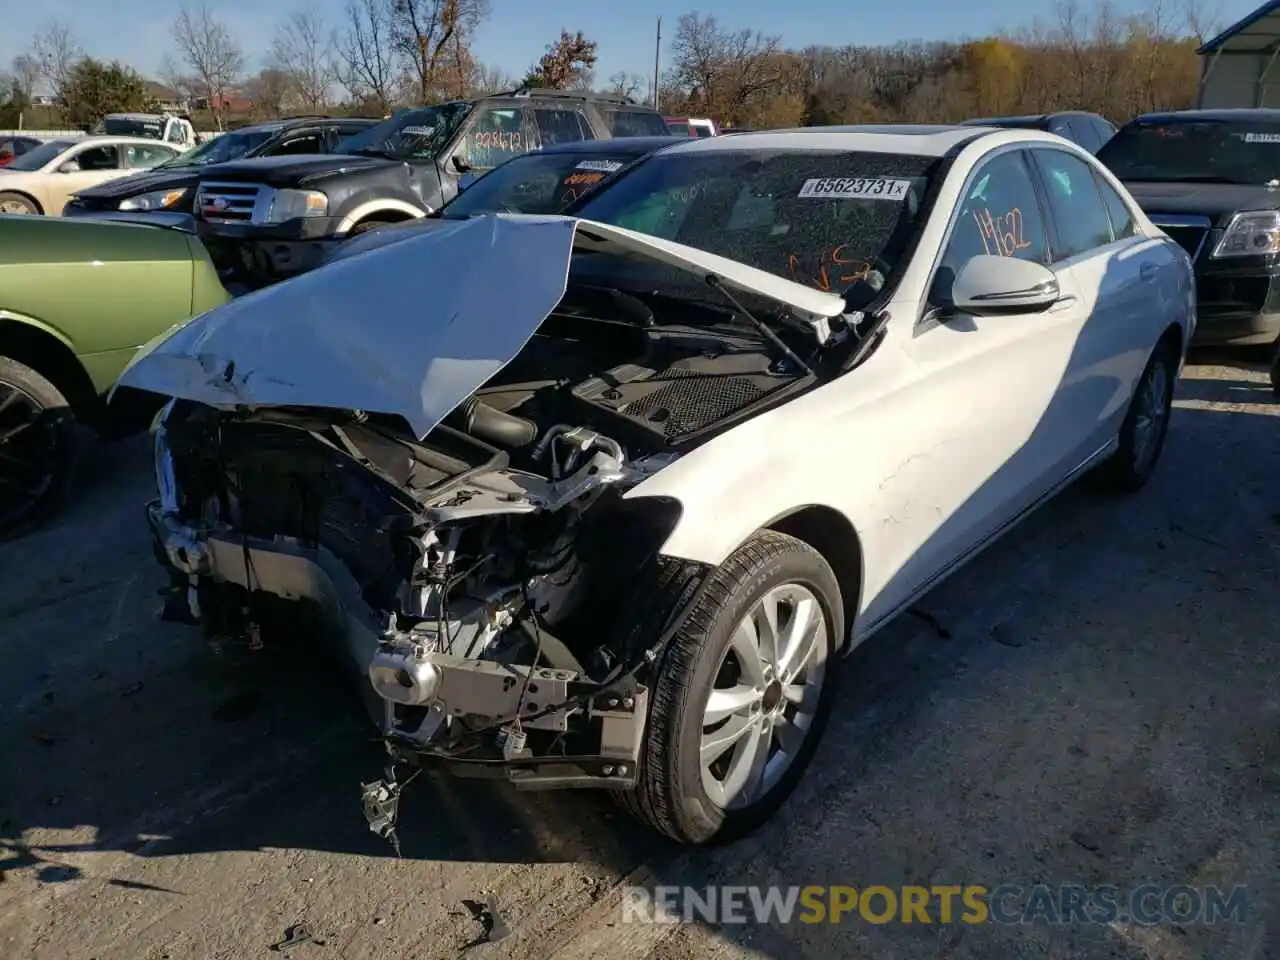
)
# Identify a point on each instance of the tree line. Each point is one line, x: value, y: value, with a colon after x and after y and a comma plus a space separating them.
x: 382, y: 54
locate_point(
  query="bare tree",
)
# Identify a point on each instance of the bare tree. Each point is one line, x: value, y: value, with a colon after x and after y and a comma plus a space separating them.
x: 26, y: 76
x: 429, y: 34
x: 55, y: 51
x: 488, y: 80
x: 212, y: 54
x: 268, y: 91
x: 567, y: 64
x: 623, y: 84
x: 721, y: 70
x: 366, y: 63
x: 301, y: 52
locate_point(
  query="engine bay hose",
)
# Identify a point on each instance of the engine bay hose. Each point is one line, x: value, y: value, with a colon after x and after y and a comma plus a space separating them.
x: 489, y: 423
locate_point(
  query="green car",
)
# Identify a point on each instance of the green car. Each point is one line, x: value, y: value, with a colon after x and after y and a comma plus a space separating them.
x: 77, y: 299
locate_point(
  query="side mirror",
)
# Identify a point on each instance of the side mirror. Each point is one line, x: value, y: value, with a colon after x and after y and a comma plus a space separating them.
x: 460, y: 165
x: 71, y: 166
x: 993, y: 285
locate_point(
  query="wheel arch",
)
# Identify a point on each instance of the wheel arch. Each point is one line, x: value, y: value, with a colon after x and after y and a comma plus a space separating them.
x: 832, y: 534
x: 51, y: 355
x: 380, y: 211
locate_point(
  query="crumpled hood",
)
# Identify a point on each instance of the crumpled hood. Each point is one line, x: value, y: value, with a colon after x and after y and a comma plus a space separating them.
x: 411, y: 328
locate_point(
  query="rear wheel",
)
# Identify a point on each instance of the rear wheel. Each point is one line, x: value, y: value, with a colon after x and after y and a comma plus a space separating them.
x: 1145, y: 426
x: 17, y: 203
x: 742, y: 694
x: 36, y: 447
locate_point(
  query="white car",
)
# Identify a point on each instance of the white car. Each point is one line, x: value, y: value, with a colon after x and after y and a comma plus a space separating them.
x: 43, y: 179
x: 612, y: 530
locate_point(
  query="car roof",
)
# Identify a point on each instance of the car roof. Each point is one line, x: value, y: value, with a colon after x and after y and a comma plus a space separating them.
x: 112, y: 138
x: 1243, y: 114
x: 288, y: 123
x: 929, y: 140
x: 633, y: 146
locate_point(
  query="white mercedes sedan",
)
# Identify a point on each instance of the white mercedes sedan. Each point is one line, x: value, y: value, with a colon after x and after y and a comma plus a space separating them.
x: 42, y: 180
x: 596, y: 500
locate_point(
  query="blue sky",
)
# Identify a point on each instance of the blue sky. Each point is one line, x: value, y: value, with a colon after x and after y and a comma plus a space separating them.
x: 137, y: 31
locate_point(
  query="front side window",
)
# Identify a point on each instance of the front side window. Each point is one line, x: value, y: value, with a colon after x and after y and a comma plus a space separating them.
x: 306, y: 143
x: 1195, y: 151
x: 999, y: 216
x: 105, y: 157
x: 826, y: 219
x: 535, y: 183
x: 1078, y: 212
x: 495, y: 136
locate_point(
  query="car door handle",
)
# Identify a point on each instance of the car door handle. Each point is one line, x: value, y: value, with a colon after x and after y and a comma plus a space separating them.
x: 1148, y: 271
x: 1063, y: 303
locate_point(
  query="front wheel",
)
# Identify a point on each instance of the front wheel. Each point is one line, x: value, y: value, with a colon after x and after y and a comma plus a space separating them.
x: 742, y: 695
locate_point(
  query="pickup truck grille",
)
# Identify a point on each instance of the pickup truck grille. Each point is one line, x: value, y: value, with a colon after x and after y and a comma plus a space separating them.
x: 1189, y: 233
x: 231, y: 202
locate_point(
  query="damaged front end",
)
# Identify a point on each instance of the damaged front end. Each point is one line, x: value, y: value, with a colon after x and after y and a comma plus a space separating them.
x: 484, y: 570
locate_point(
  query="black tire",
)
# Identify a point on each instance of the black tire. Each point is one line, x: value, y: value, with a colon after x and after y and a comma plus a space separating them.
x: 1125, y: 471
x: 670, y: 795
x: 30, y: 207
x: 368, y: 225
x: 35, y: 421
x: 1275, y: 369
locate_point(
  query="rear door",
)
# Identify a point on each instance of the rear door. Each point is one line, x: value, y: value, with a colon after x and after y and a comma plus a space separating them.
x: 1116, y: 275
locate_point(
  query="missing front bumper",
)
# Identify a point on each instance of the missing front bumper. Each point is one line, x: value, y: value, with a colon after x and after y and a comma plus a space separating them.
x: 477, y: 691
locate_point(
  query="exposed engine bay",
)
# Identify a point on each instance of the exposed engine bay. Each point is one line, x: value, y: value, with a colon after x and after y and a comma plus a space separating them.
x: 490, y: 580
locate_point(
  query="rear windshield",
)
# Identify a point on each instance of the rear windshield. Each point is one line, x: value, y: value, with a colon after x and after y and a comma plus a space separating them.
x: 634, y: 123
x: 1204, y: 151
x: 822, y: 218
x: 535, y: 183
x: 123, y: 127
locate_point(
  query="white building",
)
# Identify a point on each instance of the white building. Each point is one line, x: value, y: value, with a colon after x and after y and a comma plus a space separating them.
x: 1238, y: 67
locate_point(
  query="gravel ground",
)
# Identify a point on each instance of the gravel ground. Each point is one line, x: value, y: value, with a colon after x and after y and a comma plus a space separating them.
x: 1093, y: 701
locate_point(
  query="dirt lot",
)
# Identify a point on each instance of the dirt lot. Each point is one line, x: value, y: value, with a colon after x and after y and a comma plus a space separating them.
x: 1094, y: 701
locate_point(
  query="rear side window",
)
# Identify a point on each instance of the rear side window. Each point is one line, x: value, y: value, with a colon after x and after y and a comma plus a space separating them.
x: 1122, y: 223
x: 1077, y: 210
x: 634, y: 123
x: 560, y: 125
x: 141, y: 156
x: 309, y: 142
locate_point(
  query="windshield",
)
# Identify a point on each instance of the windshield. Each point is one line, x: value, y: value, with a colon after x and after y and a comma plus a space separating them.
x: 126, y: 127
x: 535, y: 183
x: 1208, y: 151
x: 822, y: 218
x: 227, y: 146
x: 411, y: 135
x: 38, y: 157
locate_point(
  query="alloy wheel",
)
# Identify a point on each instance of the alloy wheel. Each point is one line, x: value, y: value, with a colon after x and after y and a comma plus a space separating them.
x: 766, y: 693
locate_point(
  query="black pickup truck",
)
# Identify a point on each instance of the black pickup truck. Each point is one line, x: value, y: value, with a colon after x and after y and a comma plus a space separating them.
x: 1211, y: 180
x: 268, y: 219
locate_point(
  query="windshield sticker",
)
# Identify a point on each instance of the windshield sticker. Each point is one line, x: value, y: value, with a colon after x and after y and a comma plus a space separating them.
x: 608, y: 166
x: 579, y: 178
x: 855, y: 188
x: 1001, y: 234
x: 818, y: 273
x: 418, y: 131
x: 1262, y: 138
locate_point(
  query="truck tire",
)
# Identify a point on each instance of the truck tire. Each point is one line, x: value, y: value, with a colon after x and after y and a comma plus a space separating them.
x: 37, y: 446
x: 722, y: 694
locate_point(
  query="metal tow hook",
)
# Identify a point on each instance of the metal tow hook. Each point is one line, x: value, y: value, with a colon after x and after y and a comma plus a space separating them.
x: 381, y: 801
